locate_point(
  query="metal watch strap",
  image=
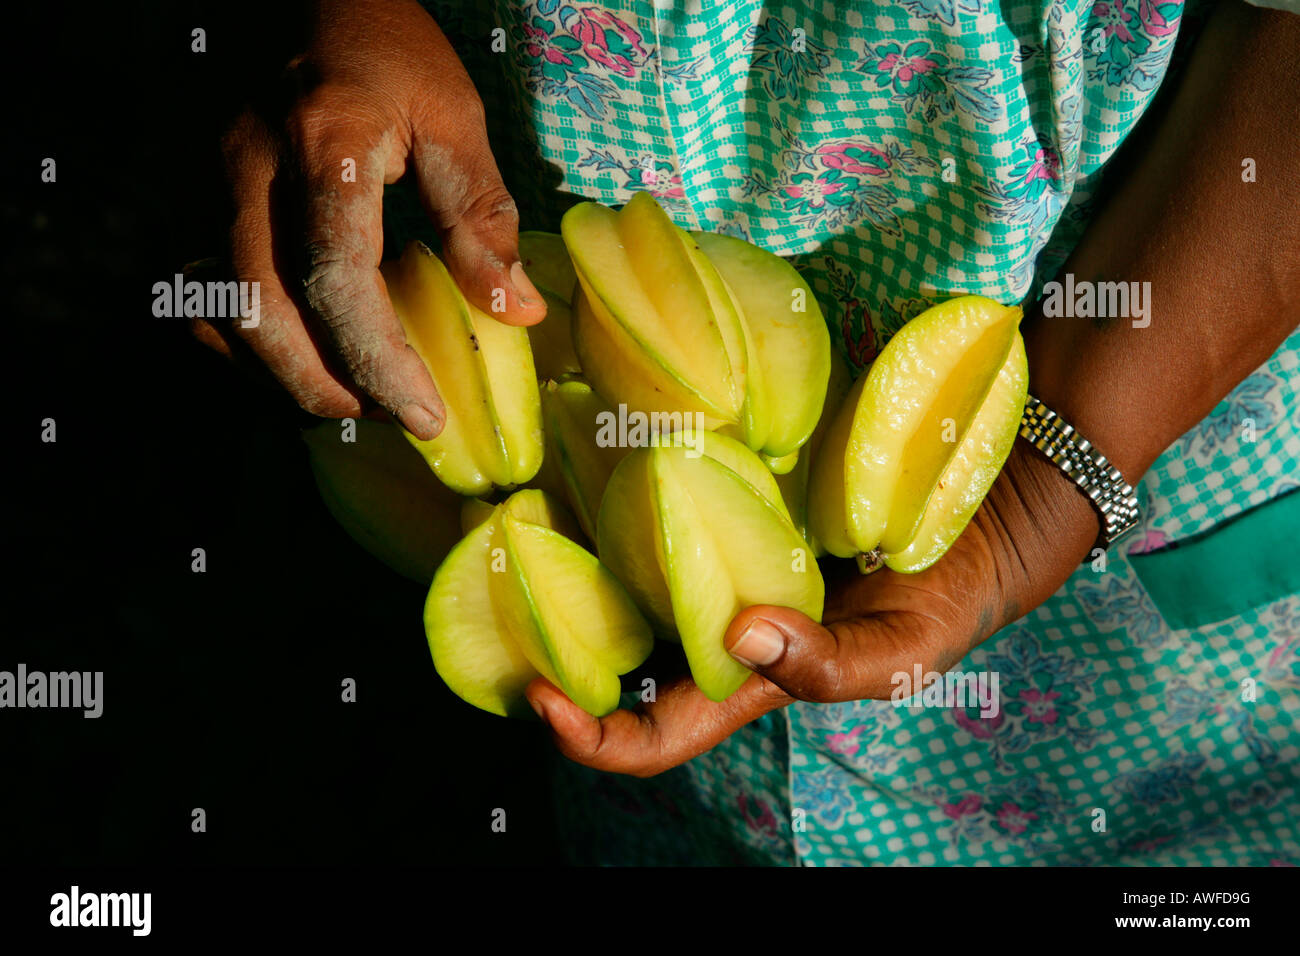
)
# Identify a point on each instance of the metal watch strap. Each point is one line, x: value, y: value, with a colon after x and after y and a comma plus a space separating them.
x: 1088, y: 468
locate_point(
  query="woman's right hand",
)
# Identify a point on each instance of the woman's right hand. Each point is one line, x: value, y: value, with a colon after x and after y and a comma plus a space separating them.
x: 377, y: 85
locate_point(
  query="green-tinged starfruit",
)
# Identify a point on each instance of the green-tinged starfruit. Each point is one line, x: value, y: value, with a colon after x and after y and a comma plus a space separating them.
x: 483, y: 370
x: 379, y: 489
x: 655, y: 327
x: 582, y: 444
x: 697, y: 530
x: 516, y: 599
x: 547, y: 264
x: 794, y: 482
x: 789, y: 350
x: 921, y: 436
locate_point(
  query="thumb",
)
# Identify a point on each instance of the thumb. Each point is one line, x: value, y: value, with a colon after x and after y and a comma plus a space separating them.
x: 846, y: 660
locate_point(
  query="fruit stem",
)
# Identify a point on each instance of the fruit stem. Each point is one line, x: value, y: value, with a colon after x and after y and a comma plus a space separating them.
x: 871, y: 561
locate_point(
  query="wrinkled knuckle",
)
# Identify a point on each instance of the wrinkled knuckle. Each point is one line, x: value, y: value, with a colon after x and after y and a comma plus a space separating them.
x: 826, y: 681
x: 771, y: 693
x: 325, y: 405
x: 316, y: 114
x: 494, y: 208
x: 328, y: 282
x: 468, y: 104
x: 331, y: 115
x: 307, y: 121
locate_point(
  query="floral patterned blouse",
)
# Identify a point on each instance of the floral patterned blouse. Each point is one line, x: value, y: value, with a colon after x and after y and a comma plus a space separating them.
x: 902, y: 152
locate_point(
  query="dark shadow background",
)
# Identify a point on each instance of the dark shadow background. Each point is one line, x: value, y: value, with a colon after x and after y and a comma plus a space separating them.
x: 221, y: 690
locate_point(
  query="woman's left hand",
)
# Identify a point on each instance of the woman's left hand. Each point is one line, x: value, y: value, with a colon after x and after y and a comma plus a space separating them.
x: 1030, y: 534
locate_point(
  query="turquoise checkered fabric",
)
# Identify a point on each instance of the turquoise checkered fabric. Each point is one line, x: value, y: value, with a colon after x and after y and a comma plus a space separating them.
x: 901, y: 153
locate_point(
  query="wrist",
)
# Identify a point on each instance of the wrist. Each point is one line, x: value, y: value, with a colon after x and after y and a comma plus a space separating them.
x: 1039, y: 527
x: 1083, y: 374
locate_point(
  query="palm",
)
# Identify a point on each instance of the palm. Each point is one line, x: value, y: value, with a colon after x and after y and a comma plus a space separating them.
x: 1021, y: 545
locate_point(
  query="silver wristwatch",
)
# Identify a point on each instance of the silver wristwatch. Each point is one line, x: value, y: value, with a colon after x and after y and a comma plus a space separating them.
x: 1088, y: 468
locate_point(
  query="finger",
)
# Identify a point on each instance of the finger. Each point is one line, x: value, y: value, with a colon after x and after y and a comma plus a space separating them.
x: 851, y: 659
x: 219, y: 340
x: 463, y: 194
x: 278, y: 335
x: 343, y: 231
x: 680, y: 724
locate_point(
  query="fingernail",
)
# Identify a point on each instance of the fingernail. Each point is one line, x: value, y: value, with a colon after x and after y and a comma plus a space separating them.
x: 538, y: 708
x: 523, y: 285
x: 760, y: 644
x: 420, y: 422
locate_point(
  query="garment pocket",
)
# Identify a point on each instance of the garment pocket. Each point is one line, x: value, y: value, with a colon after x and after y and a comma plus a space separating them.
x: 1247, y: 561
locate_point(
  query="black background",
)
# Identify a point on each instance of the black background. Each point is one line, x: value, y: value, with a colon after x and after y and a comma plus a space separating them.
x: 222, y: 690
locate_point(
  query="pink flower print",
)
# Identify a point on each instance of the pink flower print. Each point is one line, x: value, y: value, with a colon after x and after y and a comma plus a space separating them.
x: 1013, y: 820
x: 905, y: 67
x: 664, y: 187
x: 853, y: 158
x: 862, y: 350
x: 608, y: 40
x: 1153, y: 21
x: 813, y: 189
x: 764, y: 820
x: 1046, y: 165
x: 538, y: 44
x: 1038, y: 706
x: 1152, y: 844
x: 1149, y: 541
x: 1279, y: 653
x: 1114, y: 17
x: 846, y: 744
x: 981, y: 728
x: 964, y: 807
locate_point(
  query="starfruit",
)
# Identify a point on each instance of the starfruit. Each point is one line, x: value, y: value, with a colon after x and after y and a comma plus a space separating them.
x: 580, y: 446
x: 547, y: 264
x: 698, y: 531
x: 669, y: 322
x: 377, y: 487
x: 794, y: 482
x: 482, y: 368
x: 516, y: 599
x: 789, y: 349
x: 921, y: 436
